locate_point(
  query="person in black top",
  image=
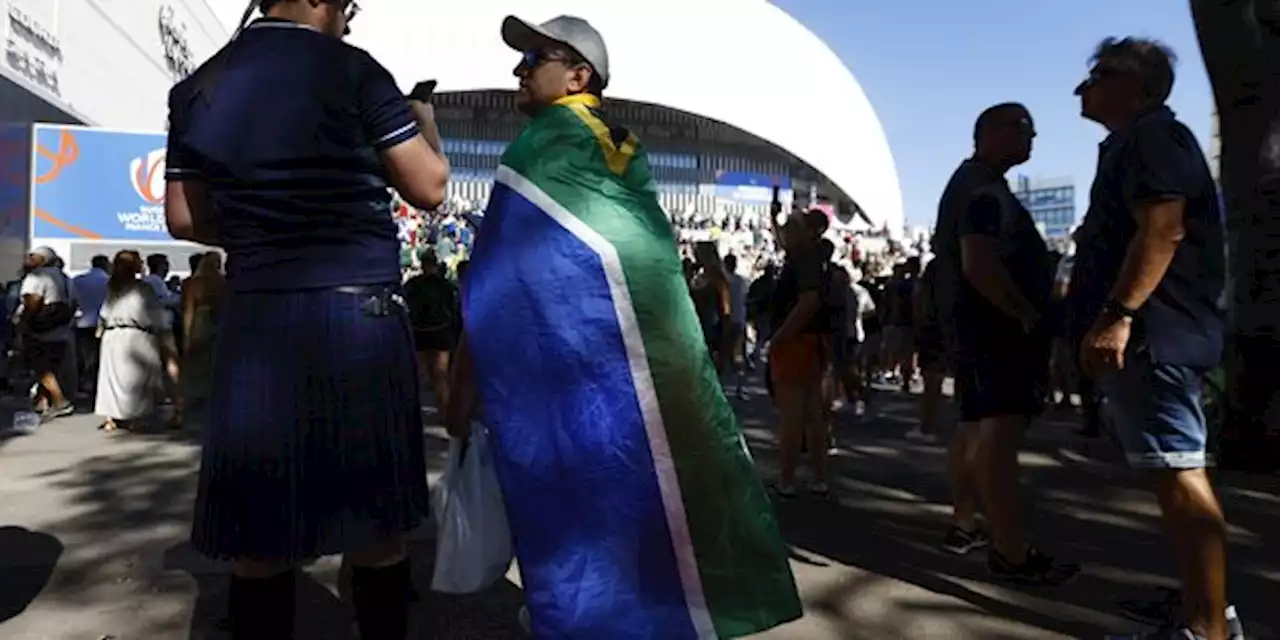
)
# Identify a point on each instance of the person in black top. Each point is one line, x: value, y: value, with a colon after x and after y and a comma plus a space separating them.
x: 799, y: 350
x: 1148, y: 305
x: 932, y: 352
x: 434, y: 310
x: 992, y: 285
x: 758, y: 296
x: 899, y: 339
x: 281, y: 151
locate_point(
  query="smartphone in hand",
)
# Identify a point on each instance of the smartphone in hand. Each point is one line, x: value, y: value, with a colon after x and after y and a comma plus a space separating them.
x: 422, y: 91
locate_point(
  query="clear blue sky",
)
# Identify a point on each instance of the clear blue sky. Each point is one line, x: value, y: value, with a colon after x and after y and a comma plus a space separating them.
x: 930, y: 66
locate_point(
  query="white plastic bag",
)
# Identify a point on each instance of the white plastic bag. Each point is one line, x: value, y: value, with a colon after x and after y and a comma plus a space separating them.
x: 474, y: 548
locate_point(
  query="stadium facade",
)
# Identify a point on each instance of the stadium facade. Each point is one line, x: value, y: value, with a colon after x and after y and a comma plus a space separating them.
x: 729, y: 102
x: 108, y: 66
x: 728, y: 99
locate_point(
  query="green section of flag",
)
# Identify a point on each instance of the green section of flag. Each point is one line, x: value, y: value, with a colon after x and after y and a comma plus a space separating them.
x: 742, y: 559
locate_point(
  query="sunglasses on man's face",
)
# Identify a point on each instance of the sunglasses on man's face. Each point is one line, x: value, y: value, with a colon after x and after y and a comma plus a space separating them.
x: 531, y: 60
x: 1095, y: 77
x: 1023, y: 125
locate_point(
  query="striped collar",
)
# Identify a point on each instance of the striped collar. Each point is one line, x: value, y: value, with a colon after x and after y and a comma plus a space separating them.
x: 279, y: 23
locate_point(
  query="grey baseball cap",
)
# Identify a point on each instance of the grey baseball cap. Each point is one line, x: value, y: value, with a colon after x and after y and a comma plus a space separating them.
x: 568, y: 31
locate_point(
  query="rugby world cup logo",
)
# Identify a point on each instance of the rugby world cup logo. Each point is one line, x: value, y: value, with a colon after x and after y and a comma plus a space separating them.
x: 147, y: 175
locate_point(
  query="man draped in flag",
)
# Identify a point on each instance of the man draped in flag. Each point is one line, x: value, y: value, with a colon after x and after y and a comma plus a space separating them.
x: 634, y: 506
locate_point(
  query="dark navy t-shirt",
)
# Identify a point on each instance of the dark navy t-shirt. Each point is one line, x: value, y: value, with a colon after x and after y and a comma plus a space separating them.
x: 802, y: 272
x: 288, y: 142
x: 977, y: 201
x: 1183, y: 322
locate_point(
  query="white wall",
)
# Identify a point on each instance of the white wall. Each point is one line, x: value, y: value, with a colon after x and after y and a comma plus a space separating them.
x: 111, y: 69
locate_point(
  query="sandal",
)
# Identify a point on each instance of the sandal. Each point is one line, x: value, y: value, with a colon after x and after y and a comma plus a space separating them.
x: 108, y: 425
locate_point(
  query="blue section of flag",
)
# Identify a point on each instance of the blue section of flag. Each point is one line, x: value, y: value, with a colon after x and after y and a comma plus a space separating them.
x: 570, y: 445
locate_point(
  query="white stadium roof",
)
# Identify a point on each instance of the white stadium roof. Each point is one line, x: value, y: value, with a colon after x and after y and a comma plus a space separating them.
x: 747, y: 63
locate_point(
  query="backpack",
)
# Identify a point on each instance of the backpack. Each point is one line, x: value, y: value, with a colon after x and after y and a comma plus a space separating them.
x: 54, y: 315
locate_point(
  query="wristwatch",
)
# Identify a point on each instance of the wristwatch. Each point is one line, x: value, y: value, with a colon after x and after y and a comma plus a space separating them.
x: 1115, y: 310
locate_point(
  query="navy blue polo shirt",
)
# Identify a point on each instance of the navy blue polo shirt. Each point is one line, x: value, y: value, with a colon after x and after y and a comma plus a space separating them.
x: 288, y: 143
x: 977, y: 201
x: 1154, y: 157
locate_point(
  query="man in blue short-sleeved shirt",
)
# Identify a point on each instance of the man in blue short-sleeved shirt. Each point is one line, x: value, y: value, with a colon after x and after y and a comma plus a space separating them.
x: 1147, y: 304
x: 993, y: 282
x: 348, y: 238
x: 282, y: 148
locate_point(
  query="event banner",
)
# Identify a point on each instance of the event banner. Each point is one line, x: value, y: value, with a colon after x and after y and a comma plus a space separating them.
x: 747, y: 187
x: 92, y: 184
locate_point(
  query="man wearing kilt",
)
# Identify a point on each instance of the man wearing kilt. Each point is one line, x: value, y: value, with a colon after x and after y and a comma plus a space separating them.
x: 281, y: 151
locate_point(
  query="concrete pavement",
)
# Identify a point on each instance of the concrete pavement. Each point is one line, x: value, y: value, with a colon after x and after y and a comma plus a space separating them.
x: 93, y: 529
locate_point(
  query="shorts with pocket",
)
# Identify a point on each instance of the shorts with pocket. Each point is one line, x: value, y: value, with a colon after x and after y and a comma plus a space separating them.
x: 1158, y: 413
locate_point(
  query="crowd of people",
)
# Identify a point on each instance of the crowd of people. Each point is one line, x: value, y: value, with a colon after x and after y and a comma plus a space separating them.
x: 126, y: 332
x: 1130, y: 321
x: 448, y: 232
x: 316, y: 341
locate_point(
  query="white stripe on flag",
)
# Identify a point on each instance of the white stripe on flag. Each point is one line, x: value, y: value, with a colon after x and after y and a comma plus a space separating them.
x: 646, y: 394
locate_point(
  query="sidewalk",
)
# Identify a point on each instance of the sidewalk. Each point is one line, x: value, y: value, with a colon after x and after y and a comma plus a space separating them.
x: 93, y: 529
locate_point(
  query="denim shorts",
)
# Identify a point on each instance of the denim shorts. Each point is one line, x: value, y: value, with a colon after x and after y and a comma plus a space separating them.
x: 1158, y: 413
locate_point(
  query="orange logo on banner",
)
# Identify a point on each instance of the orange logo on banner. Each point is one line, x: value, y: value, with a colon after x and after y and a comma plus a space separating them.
x: 148, y: 176
x: 67, y: 153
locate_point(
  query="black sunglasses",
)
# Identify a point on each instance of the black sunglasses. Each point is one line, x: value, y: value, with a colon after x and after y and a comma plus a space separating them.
x: 1021, y: 123
x: 534, y: 59
x: 1095, y: 77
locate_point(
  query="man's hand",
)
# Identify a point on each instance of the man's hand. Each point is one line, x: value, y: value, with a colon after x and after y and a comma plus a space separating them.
x: 1029, y: 321
x: 1103, y: 348
x: 462, y: 397
x: 459, y: 430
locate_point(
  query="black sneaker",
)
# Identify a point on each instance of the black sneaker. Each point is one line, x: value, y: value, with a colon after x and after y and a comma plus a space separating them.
x: 1037, y: 569
x: 1173, y: 633
x: 1165, y: 611
x: 1164, y: 633
x: 1158, y: 611
x: 53, y: 413
x: 961, y: 542
x: 783, y: 490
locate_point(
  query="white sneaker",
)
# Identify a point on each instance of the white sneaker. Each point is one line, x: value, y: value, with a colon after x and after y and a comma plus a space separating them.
x: 860, y: 408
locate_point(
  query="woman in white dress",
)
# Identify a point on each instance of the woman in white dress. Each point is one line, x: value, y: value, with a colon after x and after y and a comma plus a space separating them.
x: 135, y: 341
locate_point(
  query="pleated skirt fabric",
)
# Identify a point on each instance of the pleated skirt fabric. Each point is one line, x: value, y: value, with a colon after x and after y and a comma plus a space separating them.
x: 314, y: 443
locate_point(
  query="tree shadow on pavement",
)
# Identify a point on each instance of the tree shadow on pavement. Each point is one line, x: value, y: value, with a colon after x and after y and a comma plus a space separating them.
x: 27, y: 559
x: 890, y: 510
x: 128, y: 513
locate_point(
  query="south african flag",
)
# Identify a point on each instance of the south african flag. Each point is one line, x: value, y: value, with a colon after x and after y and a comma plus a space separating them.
x: 634, y: 505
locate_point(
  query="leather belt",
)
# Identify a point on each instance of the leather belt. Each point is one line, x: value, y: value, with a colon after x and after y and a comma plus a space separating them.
x: 381, y: 299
